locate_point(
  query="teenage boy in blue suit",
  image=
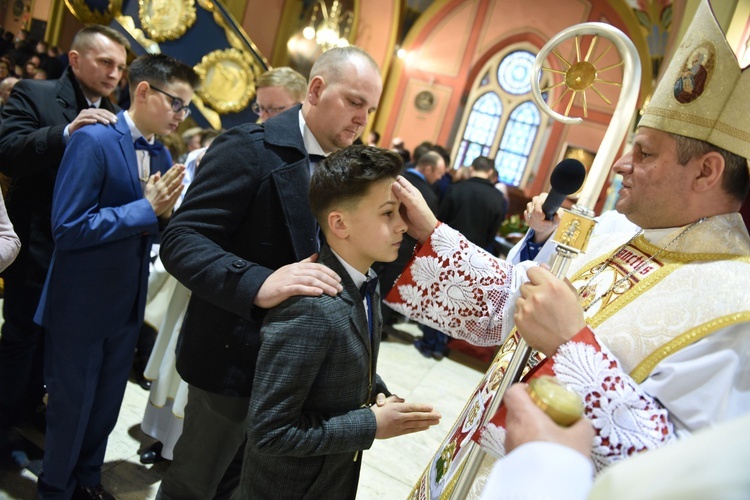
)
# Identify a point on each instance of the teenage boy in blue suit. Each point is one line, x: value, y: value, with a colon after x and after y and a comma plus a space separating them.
x: 313, y: 406
x: 114, y: 192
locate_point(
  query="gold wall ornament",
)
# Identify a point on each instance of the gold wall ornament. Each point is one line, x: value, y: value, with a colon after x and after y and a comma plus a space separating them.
x: 83, y: 12
x: 236, y: 36
x: 166, y: 19
x: 228, y: 80
x: 128, y: 24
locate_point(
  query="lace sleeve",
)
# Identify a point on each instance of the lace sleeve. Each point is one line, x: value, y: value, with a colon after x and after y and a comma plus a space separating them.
x: 627, y: 419
x: 456, y: 287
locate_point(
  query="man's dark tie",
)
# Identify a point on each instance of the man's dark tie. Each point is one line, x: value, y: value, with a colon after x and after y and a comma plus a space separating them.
x: 153, y: 149
x: 315, y: 158
x: 368, y: 291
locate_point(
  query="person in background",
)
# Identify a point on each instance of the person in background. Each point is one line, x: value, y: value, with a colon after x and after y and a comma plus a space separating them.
x: 373, y: 138
x: 277, y: 90
x: 38, y: 120
x: 473, y: 206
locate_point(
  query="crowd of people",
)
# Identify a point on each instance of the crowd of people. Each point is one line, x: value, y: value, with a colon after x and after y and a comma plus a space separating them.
x: 271, y: 245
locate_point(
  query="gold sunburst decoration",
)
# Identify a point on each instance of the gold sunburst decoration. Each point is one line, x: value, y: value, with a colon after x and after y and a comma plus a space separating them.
x: 227, y: 79
x: 166, y: 19
x: 581, y: 75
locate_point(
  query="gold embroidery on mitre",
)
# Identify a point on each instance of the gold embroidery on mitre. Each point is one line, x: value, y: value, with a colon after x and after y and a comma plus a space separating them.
x: 696, y: 74
x: 703, y: 94
x: 645, y: 367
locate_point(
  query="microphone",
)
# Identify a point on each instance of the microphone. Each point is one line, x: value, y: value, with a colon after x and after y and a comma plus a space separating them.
x: 567, y: 178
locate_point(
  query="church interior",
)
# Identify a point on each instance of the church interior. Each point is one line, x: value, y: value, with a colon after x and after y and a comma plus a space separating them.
x: 456, y: 73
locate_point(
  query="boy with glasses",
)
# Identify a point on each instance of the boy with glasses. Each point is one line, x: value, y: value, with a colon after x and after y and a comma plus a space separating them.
x: 113, y: 194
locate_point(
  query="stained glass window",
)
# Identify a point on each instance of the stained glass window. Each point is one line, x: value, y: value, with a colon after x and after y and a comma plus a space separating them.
x: 481, y: 129
x: 514, y: 72
x: 501, y: 121
x: 516, y: 143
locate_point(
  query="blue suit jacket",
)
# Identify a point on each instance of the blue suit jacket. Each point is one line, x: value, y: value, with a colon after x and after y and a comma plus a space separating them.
x: 103, y: 228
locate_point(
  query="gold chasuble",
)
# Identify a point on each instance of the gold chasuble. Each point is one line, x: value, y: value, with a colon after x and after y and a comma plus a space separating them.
x: 647, y: 297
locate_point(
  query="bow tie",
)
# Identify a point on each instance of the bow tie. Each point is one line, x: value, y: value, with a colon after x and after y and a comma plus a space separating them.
x: 368, y: 287
x: 153, y: 149
x: 315, y: 158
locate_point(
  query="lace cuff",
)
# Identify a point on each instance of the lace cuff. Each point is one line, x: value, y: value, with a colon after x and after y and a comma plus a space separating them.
x: 456, y: 287
x: 626, y: 419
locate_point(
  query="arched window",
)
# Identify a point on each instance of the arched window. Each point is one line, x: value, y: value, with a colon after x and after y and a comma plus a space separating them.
x: 480, y: 130
x: 487, y: 128
x: 515, y: 146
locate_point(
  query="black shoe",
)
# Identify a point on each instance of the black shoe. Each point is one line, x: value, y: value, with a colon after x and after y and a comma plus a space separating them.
x: 152, y: 454
x: 92, y: 493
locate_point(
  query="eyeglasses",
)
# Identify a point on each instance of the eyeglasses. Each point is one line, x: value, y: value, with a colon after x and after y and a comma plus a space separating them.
x: 177, y: 103
x: 257, y: 109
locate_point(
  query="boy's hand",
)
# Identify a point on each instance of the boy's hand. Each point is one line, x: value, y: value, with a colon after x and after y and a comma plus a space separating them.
x: 162, y: 192
x: 396, y: 419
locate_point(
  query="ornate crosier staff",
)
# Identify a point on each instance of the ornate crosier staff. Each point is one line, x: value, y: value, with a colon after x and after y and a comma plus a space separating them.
x: 577, y: 224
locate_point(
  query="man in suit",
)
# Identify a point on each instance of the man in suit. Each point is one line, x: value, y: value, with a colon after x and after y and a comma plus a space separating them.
x: 313, y: 407
x: 37, y: 123
x: 110, y: 201
x: 242, y: 242
x: 474, y: 207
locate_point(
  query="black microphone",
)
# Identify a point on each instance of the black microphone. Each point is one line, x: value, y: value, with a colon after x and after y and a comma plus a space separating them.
x: 566, y: 178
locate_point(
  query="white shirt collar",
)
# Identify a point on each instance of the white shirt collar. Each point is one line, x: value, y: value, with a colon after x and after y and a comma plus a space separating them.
x: 311, y: 143
x: 134, y: 130
x: 357, y: 277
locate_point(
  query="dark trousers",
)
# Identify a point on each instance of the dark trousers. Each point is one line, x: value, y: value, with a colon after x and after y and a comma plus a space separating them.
x: 208, y: 456
x: 86, y: 374
x: 21, y: 353
x: 433, y: 340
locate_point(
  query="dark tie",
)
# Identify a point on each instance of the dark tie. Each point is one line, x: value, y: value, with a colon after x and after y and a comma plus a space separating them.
x: 368, y: 290
x: 368, y: 287
x: 153, y: 149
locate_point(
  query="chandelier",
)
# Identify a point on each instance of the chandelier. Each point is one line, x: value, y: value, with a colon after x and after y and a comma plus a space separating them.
x: 329, y: 28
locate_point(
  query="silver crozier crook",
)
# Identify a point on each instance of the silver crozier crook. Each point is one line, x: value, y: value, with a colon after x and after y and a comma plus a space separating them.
x: 576, y: 225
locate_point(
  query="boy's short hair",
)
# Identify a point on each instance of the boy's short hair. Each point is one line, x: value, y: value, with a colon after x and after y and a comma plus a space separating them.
x: 160, y: 69
x: 345, y: 176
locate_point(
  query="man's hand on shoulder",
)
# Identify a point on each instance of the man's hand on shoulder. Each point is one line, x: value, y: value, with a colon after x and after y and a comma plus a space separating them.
x: 305, y: 277
x: 89, y: 116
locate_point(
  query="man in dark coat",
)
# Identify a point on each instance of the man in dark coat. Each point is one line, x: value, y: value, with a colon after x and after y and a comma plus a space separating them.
x: 474, y: 206
x: 37, y: 123
x: 242, y: 242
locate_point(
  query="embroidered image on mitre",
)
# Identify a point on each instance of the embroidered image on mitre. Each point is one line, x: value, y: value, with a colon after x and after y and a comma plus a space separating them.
x: 704, y: 93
